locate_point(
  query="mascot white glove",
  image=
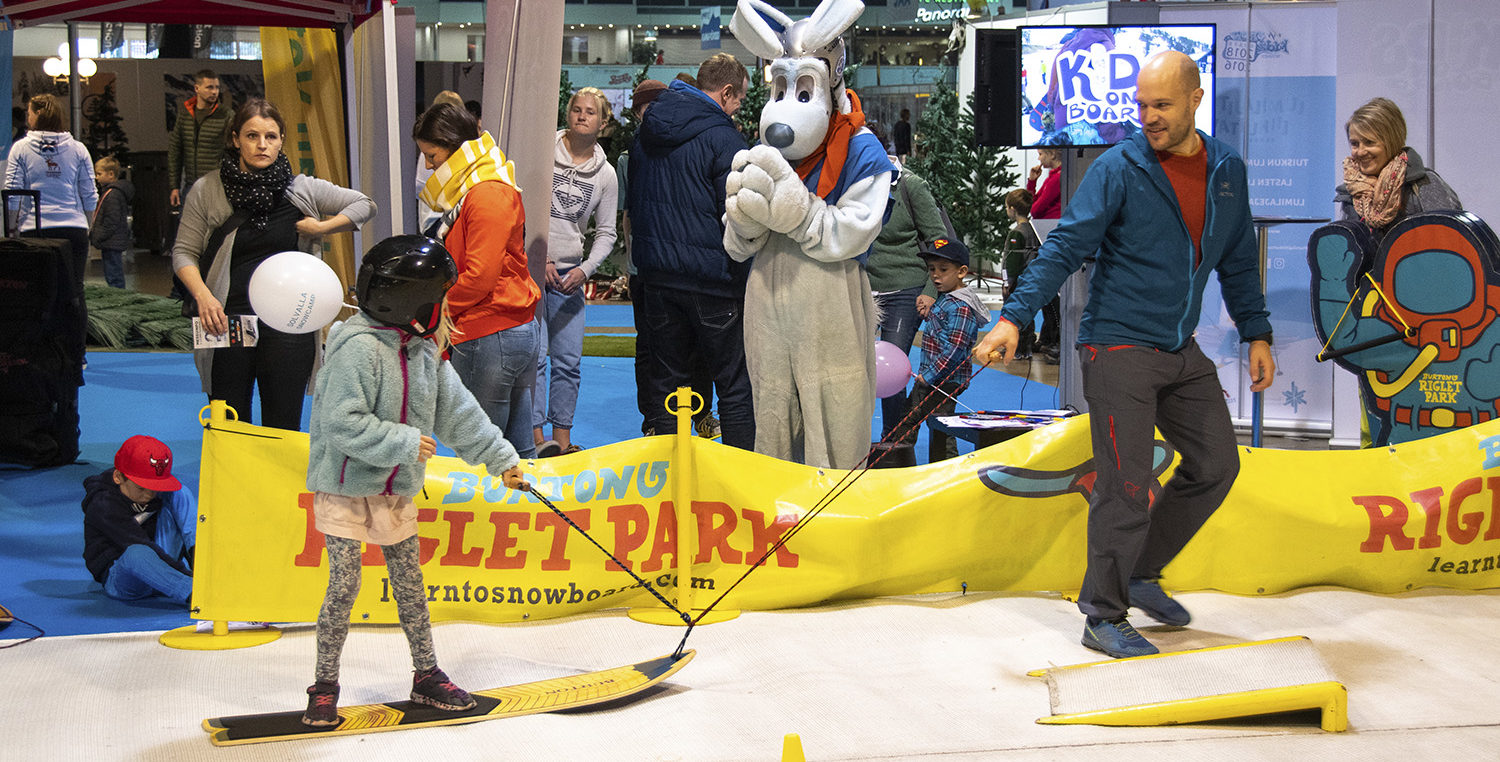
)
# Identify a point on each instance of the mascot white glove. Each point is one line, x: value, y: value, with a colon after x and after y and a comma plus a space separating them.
x: 745, y: 197
x: 787, y: 199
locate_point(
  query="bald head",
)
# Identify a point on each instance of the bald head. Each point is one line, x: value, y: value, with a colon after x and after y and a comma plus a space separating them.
x: 1172, y: 68
x: 1167, y: 93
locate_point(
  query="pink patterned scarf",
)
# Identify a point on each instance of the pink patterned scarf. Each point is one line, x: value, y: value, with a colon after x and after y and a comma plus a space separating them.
x: 1377, y: 199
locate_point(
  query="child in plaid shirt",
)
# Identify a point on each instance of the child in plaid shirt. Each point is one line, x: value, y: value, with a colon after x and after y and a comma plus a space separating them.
x: 953, y: 324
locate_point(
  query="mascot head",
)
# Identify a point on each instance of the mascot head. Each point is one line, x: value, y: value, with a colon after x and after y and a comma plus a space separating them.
x: 806, y: 73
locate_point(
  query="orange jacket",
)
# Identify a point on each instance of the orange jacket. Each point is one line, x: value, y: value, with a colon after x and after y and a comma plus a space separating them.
x: 495, y: 290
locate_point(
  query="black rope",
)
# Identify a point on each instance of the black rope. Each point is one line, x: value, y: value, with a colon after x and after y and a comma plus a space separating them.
x: 39, y: 631
x: 686, y: 619
x: 839, y: 488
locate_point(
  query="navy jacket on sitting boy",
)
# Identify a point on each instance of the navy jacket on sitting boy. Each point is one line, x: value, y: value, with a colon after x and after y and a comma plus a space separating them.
x: 140, y: 525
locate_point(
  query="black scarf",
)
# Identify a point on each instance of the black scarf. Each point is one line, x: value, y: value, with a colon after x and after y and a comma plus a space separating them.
x: 256, y: 192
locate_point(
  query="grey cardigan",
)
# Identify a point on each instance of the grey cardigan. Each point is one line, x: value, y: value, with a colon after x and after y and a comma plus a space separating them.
x: 206, y: 208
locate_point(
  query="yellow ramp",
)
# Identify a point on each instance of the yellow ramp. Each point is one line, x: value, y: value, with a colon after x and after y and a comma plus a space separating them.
x: 1223, y: 682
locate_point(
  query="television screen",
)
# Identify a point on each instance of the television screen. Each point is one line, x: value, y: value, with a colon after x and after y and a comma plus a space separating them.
x: 1078, y: 82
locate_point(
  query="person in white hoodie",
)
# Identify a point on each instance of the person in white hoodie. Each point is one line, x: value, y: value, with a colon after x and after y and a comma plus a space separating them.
x: 583, y: 186
x: 49, y: 160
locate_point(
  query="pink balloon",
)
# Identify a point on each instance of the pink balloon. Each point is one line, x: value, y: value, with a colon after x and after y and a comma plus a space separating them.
x: 892, y: 369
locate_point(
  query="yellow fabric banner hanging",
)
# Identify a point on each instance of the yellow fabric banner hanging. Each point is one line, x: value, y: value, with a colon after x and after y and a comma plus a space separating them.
x: 1010, y: 517
x: 302, y: 73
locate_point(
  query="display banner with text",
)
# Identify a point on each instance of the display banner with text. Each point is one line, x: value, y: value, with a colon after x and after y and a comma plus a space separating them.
x: 302, y: 73
x: 1010, y: 517
x: 1275, y: 78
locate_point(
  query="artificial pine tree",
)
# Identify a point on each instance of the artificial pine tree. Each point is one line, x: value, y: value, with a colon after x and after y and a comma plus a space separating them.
x: 969, y: 180
x: 102, y: 133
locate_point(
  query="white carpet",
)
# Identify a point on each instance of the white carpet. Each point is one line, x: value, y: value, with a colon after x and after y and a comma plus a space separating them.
x: 937, y: 677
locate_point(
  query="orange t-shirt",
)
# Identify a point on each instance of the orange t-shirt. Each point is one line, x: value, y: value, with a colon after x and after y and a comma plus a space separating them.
x: 495, y: 290
x: 1189, y: 177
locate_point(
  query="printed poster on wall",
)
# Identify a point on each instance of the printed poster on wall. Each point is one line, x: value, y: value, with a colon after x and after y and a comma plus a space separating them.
x: 709, y: 22
x: 1275, y: 80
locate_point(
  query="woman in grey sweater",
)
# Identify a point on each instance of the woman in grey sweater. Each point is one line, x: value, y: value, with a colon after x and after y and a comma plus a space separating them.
x: 254, y: 207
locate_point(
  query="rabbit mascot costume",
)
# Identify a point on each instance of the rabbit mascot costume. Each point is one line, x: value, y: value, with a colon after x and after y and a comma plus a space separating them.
x: 807, y: 204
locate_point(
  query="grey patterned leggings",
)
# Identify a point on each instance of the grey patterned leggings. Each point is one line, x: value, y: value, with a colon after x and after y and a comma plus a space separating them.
x: 402, y: 563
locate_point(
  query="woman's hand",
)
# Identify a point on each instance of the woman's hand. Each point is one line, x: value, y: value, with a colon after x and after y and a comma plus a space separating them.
x: 554, y: 281
x: 1036, y: 171
x: 571, y: 281
x: 426, y: 448
x: 311, y: 226
x: 211, y: 312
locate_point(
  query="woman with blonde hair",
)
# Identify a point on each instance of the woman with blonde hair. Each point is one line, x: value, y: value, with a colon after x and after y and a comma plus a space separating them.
x: 1385, y: 180
x: 583, y: 186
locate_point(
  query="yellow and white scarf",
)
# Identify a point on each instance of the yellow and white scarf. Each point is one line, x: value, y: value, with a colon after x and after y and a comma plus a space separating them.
x: 474, y: 162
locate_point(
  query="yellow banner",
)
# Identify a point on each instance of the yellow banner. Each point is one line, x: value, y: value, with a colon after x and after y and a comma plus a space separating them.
x: 302, y: 73
x: 1010, y: 517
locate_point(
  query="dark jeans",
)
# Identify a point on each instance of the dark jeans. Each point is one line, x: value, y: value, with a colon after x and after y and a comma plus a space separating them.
x: 898, y: 325
x: 683, y: 325
x: 1130, y: 391
x: 703, y: 380
x: 926, y: 402
x: 1051, y: 333
x: 280, y: 364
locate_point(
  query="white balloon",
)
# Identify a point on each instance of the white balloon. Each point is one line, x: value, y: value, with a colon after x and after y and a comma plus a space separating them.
x: 295, y: 292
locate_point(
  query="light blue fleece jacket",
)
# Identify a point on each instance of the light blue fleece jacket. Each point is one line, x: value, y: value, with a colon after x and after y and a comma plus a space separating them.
x: 378, y: 393
x: 58, y: 166
x: 1144, y: 289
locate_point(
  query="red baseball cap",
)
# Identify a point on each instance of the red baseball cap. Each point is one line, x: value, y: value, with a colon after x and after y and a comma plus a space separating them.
x: 147, y: 462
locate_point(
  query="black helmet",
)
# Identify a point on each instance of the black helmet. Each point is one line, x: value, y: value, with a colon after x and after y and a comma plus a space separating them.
x: 402, y: 282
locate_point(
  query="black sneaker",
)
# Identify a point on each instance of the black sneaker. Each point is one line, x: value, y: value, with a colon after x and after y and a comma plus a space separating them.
x: 1116, y: 638
x: 322, y: 705
x: 433, y: 688
x: 549, y: 449
x: 1146, y: 594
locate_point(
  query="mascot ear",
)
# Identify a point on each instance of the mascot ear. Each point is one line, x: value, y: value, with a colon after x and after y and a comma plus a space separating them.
x: 831, y: 19
x: 760, y: 28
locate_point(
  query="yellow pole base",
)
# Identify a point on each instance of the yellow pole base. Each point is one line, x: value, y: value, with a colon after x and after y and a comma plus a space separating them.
x: 670, y: 618
x: 791, y: 749
x: 190, y: 639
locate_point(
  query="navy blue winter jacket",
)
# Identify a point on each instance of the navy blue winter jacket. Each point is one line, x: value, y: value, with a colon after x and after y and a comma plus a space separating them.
x: 678, y: 165
x: 1144, y: 289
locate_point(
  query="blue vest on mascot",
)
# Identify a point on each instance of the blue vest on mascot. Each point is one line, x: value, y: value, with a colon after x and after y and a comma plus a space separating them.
x: 866, y: 158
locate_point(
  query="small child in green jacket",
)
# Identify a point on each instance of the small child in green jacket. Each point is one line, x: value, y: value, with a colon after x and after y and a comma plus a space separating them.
x: 384, y: 390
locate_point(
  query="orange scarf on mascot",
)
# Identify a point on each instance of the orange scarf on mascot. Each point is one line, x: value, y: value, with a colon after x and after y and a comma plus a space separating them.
x: 835, y: 147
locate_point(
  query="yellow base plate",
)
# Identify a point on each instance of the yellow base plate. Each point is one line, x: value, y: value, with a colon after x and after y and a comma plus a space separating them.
x: 189, y: 639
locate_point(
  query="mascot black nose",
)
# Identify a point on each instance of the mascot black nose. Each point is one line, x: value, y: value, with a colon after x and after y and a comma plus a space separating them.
x: 779, y: 135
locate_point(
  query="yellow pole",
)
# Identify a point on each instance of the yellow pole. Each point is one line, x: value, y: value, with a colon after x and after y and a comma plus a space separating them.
x: 684, y: 404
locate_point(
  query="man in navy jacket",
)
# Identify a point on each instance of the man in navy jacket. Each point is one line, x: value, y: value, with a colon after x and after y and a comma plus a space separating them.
x: 1162, y: 210
x: 695, y: 294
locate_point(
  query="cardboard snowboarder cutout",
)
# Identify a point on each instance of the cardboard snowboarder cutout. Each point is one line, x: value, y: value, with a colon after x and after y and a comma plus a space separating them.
x: 807, y: 204
x: 1414, y: 318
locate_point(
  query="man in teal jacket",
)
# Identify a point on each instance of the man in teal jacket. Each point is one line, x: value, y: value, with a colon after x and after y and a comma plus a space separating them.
x: 1161, y: 210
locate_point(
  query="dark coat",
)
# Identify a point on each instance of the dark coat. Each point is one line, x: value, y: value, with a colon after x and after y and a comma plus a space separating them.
x: 109, y: 526
x: 678, y: 166
x: 111, y: 229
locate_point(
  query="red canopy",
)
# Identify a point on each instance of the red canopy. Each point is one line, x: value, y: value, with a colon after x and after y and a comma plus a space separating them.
x: 294, y: 13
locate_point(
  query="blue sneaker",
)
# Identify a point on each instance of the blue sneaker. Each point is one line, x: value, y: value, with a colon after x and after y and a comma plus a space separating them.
x: 1116, y: 638
x: 1147, y: 595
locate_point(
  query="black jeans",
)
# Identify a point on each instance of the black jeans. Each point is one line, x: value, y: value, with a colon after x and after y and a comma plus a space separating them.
x: 928, y: 402
x: 280, y: 364
x: 684, y: 325
x: 703, y: 380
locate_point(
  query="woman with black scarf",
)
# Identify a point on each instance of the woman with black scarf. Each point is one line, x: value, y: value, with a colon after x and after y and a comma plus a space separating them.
x: 254, y: 193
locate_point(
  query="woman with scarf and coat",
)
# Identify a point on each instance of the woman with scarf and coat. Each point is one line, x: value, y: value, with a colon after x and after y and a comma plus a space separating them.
x: 583, y: 186
x: 496, y: 338
x: 1385, y: 180
x: 255, y: 207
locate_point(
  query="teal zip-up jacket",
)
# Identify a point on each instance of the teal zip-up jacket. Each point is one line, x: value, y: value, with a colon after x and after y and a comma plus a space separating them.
x: 1144, y: 289
x: 379, y: 392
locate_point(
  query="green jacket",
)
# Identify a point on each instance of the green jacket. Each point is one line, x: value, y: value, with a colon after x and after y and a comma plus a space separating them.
x: 197, y: 142
x: 894, y: 264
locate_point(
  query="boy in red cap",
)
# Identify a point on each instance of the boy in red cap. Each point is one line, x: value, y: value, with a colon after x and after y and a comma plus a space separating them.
x: 139, y: 525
